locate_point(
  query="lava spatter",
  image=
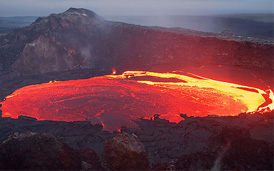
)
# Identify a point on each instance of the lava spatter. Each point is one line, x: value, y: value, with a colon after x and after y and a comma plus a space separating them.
x: 118, y: 100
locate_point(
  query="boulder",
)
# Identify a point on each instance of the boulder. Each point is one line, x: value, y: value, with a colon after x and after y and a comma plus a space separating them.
x: 33, y: 151
x: 125, y: 152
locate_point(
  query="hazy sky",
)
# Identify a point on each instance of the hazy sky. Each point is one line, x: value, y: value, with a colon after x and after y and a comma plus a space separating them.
x: 135, y: 7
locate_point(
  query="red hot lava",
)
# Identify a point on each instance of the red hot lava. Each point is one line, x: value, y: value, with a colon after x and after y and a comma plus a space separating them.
x: 113, y: 71
x: 117, y: 100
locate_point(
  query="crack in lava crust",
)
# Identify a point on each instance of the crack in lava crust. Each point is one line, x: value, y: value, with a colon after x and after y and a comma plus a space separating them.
x: 118, y: 100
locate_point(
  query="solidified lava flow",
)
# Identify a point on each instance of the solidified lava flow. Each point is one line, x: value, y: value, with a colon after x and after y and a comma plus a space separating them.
x: 117, y: 100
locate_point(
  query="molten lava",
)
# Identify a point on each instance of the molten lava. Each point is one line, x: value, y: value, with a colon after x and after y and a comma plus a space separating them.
x: 118, y: 100
x: 113, y: 71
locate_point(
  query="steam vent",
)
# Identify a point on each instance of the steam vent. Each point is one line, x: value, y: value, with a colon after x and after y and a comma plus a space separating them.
x: 103, y: 95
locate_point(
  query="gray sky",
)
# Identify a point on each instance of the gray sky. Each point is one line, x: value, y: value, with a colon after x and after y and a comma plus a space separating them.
x: 135, y: 7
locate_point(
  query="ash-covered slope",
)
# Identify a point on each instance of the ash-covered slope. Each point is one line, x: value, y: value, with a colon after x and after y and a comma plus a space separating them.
x: 79, y: 38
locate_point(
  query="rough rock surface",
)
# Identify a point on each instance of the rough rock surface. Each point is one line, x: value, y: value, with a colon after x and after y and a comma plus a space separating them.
x: 31, y: 151
x: 166, y: 143
x: 230, y: 149
x: 125, y: 152
x: 76, y: 134
x: 90, y: 159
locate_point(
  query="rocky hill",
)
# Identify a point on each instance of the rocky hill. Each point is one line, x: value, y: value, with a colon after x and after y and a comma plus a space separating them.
x: 79, y: 38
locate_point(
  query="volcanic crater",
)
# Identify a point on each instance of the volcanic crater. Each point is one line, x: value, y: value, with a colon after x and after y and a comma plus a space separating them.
x: 76, y: 66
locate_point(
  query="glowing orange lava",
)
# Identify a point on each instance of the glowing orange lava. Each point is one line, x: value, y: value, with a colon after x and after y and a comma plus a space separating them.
x: 113, y: 71
x: 118, y: 100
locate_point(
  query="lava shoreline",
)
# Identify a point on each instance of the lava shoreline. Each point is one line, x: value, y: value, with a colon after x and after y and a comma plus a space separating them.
x: 116, y: 100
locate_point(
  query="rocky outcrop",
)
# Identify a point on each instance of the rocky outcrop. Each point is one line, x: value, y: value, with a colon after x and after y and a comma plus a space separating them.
x: 125, y: 152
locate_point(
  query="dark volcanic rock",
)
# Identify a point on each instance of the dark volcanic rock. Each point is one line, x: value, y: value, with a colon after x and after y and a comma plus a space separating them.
x: 125, y: 152
x: 195, y: 142
x: 165, y: 141
x: 90, y: 159
x: 31, y: 151
x: 230, y: 149
x: 248, y: 154
x: 77, y: 134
